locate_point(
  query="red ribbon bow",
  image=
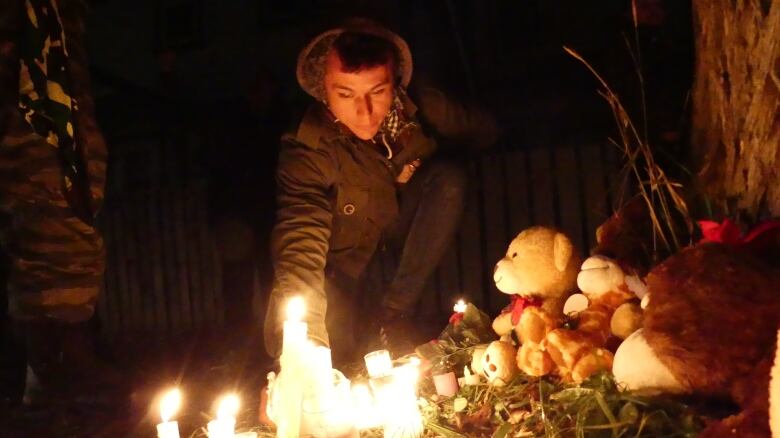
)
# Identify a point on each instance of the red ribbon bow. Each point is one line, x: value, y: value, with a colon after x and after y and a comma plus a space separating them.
x: 456, y: 318
x: 728, y: 232
x: 519, y: 304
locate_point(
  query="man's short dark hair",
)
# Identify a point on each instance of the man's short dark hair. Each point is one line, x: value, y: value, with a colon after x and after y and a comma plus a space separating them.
x: 360, y: 51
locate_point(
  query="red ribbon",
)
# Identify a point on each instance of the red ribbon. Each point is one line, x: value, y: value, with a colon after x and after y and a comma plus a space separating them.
x: 519, y: 304
x: 728, y: 232
x: 456, y: 318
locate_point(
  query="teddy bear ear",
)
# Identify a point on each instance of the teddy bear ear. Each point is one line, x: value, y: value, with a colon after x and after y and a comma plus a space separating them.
x: 562, y: 251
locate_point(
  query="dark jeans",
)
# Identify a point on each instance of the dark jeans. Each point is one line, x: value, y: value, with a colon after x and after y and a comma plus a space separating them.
x: 431, y: 205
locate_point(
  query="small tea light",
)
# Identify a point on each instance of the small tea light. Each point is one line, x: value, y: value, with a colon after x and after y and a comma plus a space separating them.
x: 378, y: 363
x: 459, y: 307
x: 468, y: 378
x: 225, y: 423
x: 169, y: 404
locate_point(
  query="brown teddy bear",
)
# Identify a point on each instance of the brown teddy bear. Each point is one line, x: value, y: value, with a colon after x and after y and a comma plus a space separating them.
x: 709, y: 330
x: 607, y: 308
x: 540, y: 271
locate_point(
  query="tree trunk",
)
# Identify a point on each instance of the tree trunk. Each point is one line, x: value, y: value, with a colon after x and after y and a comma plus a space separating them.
x: 736, y: 104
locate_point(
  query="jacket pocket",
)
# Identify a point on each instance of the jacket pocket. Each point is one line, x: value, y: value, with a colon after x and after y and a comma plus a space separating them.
x: 349, y: 218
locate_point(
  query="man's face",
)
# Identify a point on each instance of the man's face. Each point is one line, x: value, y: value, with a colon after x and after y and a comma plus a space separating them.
x: 360, y: 99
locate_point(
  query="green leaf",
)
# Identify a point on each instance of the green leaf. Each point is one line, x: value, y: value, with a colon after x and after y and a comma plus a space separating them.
x: 629, y: 413
x: 608, y: 413
x: 570, y: 395
x: 502, y: 431
x: 443, y: 431
x: 459, y: 404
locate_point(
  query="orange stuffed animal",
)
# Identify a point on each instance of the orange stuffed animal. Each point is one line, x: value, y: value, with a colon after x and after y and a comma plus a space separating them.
x: 607, y: 308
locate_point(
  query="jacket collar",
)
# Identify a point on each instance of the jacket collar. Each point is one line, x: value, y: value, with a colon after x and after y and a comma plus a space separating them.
x: 318, y: 126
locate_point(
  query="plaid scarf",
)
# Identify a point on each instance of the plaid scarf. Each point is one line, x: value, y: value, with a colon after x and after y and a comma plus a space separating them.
x: 394, y: 124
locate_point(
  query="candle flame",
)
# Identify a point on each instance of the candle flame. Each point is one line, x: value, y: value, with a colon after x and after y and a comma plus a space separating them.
x: 169, y: 404
x: 296, y: 307
x: 228, y: 406
x: 460, y: 307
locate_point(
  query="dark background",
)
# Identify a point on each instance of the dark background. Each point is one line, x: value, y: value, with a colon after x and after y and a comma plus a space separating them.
x: 169, y: 70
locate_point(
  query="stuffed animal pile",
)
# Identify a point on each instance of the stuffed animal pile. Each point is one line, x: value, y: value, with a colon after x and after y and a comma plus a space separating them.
x: 607, y: 310
x: 707, y: 325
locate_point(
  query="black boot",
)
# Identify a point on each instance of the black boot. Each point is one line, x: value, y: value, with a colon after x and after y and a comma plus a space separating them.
x: 12, y: 367
x: 397, y: 332
x: 61, y: 358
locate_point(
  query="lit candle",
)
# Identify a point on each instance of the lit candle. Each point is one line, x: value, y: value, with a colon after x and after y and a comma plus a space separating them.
x: 378, y: 363
x: 468, y: 378
x: 320, y: 377
x: 291, y: 378
x: 365, y: 411
x: 224, y: 426
x: 403, y: 418
x: 318, y: 394
x: 169, y: 404
x: 459, y: 307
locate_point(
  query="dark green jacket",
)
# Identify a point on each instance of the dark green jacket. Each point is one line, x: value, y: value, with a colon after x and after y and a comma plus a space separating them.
x: 336, y: 194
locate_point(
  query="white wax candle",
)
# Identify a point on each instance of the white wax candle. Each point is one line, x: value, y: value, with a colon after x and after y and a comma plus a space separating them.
x: 291, y: 378
x: 399, y: 402
x: 169, y: 404
x: 366, y: 413
x: 468, y: 378
x: 320, y: 373
x: 168, y: 429
x: 224, y: 425
x: 222, y: 428
x: 378, y: 363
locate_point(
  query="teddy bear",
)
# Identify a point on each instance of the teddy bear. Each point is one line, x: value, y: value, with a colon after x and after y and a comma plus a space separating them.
x: 709, y: 330
x: 540, y: 271
x: 607, y: 308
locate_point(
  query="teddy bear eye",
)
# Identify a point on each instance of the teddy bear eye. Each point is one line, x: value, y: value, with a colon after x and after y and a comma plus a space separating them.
x: 514, y: 254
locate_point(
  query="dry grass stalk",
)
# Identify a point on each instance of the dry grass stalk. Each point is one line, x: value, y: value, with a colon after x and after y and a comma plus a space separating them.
x: 662, y: 195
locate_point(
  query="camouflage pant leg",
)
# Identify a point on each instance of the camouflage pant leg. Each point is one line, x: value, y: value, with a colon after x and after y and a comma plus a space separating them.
x: 57, y: 260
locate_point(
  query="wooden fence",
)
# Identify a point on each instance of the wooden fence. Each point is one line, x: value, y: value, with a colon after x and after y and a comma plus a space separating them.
x: 164, y: 274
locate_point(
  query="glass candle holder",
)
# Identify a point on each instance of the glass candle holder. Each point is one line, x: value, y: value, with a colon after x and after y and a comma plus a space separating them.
x: 378, y: 363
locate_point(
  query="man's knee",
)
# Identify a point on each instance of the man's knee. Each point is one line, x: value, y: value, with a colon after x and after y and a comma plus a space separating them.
x: 450, y: 177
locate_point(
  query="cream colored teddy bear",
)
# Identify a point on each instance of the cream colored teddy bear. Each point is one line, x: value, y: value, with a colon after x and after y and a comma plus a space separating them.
x: 606, y: 288
x: 540, y: 271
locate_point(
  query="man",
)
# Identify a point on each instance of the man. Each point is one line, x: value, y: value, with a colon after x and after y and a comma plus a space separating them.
x: 52, y: 162
x: 361, y: 172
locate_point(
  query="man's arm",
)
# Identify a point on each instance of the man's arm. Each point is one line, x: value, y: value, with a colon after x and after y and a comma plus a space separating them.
x: 467, y: 126
x: 299, y: 241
